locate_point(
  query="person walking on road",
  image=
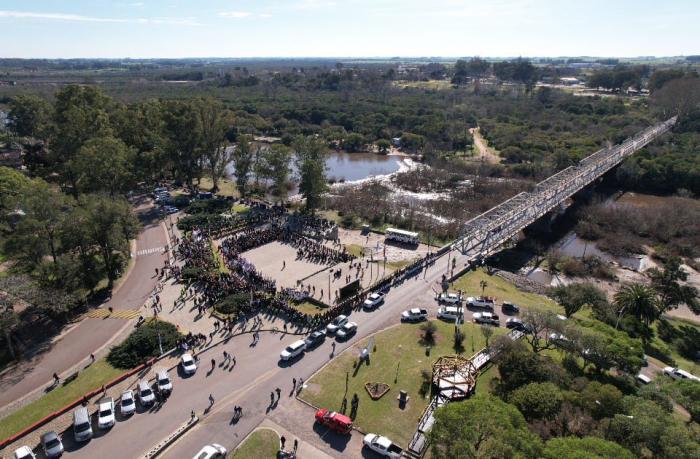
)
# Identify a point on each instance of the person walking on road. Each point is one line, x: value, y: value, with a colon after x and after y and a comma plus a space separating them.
x: 211, y: 400
x: 279, y: 391
x: 213, y: 364
x: 272, y: 398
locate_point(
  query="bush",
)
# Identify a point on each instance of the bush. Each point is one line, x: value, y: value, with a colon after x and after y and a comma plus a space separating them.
x: 199, y: 220
x: 429, y: 329
x: 538, y: 400
x: 192, y: 273
x: 232, y: 304
x: 209, y: 206
x: 143, y: 343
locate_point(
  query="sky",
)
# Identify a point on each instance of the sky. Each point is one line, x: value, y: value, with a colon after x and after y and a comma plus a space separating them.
x: 347, y: 28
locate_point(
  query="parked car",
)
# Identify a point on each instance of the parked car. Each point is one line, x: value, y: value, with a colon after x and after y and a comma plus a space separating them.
x: 213, y: 451
x: 449, y: 312
x: 170, y: 210
x: 516, y: 324
x: 488, y: 318
x: 127, y: 403
x: 188, y: 365
x: 510, y: 308
x: 315, y: 338
x: 336, y: 323
x: 643, y: 379
x: 105, y: 413
x: 347, y: 330
x: 382, y: 445
x: 414, y: 315
x: 163, y: 382
x: 82, y: 427
x: 486, y: 302
x: 677, y: 373
x: 146, y: 395
x: 293, y: 350
x: 372, y: 301
x: 51, y: 444
x: 335, y: 421
x: 23, y: 452
x: 449, y: 298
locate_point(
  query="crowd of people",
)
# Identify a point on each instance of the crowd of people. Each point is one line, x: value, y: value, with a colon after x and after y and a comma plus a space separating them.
x: 315, y: 252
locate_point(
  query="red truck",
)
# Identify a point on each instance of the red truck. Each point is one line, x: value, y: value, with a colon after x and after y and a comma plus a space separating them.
x: 334, y: 421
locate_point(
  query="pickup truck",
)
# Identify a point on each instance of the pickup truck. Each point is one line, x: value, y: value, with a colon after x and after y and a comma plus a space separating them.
x: 335, y: 421
x: 382, y: 445
x: 414, y: 315
x: 481, y: 302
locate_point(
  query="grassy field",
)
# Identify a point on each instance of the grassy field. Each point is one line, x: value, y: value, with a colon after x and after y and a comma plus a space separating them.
x: 93, y: 377
x: 220, y: 260
x: 262, y: 444
x: 502, y: 290
x: 310, y: 308
x: 398, y: 362
x: 239, y: 208
x: 354, y: 249
x: 226, y: 187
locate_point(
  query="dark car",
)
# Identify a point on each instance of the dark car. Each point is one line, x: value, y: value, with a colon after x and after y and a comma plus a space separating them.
x: 510, y: 308
x: 516, y: 324
x: 315, y: 338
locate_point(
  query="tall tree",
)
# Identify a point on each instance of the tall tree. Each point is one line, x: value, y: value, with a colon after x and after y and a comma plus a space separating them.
x: 183, y: 129
x: 482, y: 427
x: 278, y: 157
x: 242, y: 157
x: 103, y: 164
x: 311, y: 156
x: 30, y: 116
x: 215, y: 122
x: 670, y: 286
x: 639, y: 301
x: 575, y: 296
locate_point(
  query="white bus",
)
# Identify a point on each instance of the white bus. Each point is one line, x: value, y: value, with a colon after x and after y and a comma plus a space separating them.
x: 398, y: 235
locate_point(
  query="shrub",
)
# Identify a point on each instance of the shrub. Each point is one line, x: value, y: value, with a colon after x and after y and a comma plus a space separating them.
x: 538, y: 400
x: 429, y: 329
x: 143, y: 343
x: 192, y: 273
x: 232, y: 304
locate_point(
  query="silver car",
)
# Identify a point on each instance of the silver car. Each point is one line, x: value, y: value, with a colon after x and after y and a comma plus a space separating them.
x: 51, y: 444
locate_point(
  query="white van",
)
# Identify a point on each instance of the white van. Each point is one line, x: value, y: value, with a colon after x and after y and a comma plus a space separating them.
x: 293, y: 350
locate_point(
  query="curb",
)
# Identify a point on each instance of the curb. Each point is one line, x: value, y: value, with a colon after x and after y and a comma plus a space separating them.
x: 165, y: 443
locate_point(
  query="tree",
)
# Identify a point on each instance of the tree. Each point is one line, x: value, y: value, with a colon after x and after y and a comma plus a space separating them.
x: 277, y: 158
x: 537, y: 400
x: 518, y: 365
x: 383, y: 145
x: 601, y: 400
x: 483, y: 284
x: 482, y: 427
x: 487, y: 332
x: 13, y: 186
x: 540, y: 326
x: 215, y: 122
x: 460, y: 72
x: 103, y: 165
x: 145, y: 342
x: 109, y: 226
x: 8, y: 322
x: 243, y: 162
x: 575, y: 296
x: 311, y: 155
x: 678, y: 97
x: 429, y: 329
x: 639, y: 301
x: 183, y: 131
x: 661, y: 77
x: 354, y: 142
x: 30, y: 116
x: 584, y: 448
x: 667, y: 284
x: 687, y: 394
x: 478, y: 67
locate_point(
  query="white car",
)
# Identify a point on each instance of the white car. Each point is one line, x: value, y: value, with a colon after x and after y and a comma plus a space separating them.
x: 24, y: 452
x: 146, y: 395
x: 644, y: 379
x: 481, y: 302
x: 163, y: 381
x: 347, y: 330
x: 293, y: 350
x: 127, y: 403
x: 105, y: 413
x: 677, y: 373
x: 338, y: 322
x: 213, y: 451
x: 486, y: 318
x: 52, y: 445
x: 449, y: 298
x: 449, y: 312
x: 374, y: 300
x: 382, y: 445
x: 189, y: 366
x: 414, y: 315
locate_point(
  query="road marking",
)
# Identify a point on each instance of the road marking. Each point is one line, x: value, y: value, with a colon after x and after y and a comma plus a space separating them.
x: 118, y: 314
x: 150, y: 251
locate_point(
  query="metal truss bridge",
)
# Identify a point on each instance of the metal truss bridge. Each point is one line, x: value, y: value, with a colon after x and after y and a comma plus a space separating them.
x: 483, y: 235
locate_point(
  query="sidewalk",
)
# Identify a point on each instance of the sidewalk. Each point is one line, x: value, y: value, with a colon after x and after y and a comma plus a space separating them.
x: 306, y: 450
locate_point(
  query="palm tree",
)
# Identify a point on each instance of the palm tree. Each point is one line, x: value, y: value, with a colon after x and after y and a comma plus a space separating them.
x: 638, y: 300
x: 483, y: 284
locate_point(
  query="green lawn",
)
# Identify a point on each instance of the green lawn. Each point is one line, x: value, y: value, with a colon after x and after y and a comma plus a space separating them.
x: 239, y: 208
x: 502, y: 290
x: 92, y: 378
x: 226, y: 187
x: 397, y: 347
x: 219, y: 259
x: 261, y: 444
x: 354, y: 249
x: 310, y: 308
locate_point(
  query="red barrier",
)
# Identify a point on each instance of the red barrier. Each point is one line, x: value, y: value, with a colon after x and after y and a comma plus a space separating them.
x: 70, y: 406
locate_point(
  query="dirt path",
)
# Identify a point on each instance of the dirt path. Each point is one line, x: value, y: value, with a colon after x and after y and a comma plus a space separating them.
x: 486, y: 153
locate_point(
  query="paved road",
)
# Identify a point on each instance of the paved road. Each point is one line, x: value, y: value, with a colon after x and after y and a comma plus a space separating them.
x: 257, y: 373
x: 75, y: 345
